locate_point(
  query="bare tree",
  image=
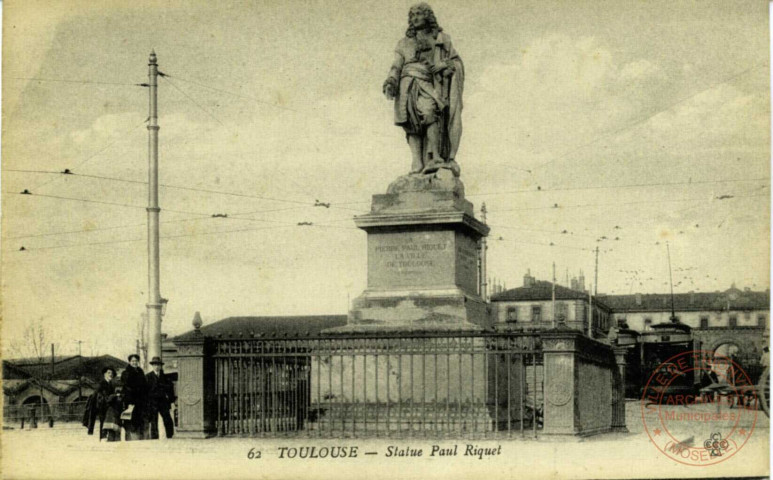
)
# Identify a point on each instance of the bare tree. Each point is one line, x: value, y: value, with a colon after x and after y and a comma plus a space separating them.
x: 32, y: 343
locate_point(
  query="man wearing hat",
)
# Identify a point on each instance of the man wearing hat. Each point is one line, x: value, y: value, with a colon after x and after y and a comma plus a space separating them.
x: 160, y: 398
x: 135, y: 389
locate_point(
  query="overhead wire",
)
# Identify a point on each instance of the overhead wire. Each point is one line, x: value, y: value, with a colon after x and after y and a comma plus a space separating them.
x: 239, y: 95
x: 101, y: 202
x: 162, y: 237
x: 193, y: 189
x: 101, y: 229
x: 270, y: 104
x: 493, y: 193
x: 118, y: 138
x: 615, y: 187
x: 164, y: 185
x: 608, y: 239
x: 539, y: 189
x: 192, y: 100
x: 557, y: 206
x: 84, y: 82
x: 551, y: 244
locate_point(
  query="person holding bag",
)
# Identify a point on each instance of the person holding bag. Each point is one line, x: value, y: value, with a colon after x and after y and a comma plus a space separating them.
x: 135, y: 389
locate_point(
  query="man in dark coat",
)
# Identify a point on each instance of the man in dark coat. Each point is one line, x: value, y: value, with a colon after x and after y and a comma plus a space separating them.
x: 135, y: 390
x: 160, y: 398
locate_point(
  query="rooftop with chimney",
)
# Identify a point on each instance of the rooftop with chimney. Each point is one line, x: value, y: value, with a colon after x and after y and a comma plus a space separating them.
x: 730, y: 299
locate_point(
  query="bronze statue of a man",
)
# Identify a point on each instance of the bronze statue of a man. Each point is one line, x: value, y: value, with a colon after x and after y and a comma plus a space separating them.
x: 426, y: 82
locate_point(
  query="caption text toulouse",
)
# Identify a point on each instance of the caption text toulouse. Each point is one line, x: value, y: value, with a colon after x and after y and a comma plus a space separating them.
x: 392, y: 451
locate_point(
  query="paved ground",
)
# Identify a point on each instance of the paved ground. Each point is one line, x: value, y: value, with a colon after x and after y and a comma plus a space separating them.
x: 67, y: 452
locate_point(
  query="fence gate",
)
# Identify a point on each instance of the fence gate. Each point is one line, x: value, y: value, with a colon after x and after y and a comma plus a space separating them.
x: 262, y: 387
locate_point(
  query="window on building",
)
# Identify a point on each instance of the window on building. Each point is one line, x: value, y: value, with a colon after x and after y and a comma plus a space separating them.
x: 747, y: 315
x: 647, y: 323
x: 561, y: 312
x: 536, y: 313
x: 512, y: 314
x: 760, y: 320
x: 705, y: 321
x: 733, y: 321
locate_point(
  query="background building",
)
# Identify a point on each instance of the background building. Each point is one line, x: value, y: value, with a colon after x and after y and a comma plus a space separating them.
x: 57, y: 386
x: 530, y: 307
x: 732, y: 323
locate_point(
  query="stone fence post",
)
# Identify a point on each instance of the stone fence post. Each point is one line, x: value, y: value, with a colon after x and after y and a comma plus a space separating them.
x: 618, y: 412
x: 583, y: 388
x: 559, y: 355
x: 196, y: 388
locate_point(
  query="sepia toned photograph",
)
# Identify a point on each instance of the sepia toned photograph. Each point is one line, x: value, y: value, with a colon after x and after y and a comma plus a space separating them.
x: 340, y: 239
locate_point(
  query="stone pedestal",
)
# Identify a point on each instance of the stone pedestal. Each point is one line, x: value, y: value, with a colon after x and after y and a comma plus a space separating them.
x: 196, y: 388
x: 423, y: 276
x: 423, y: 259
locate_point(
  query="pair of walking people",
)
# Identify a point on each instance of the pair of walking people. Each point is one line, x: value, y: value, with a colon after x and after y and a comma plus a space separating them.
x: 134, y: 401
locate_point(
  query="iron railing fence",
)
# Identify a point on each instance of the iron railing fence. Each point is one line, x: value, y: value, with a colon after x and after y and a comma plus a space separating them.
x: 430, y: 384
x: 43, y: 412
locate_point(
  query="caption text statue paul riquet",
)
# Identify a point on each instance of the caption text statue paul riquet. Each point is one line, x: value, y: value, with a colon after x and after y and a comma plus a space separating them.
x: 426, y: 82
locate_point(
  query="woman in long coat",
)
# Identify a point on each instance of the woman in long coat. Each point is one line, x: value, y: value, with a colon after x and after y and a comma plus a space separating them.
x: 111, y: 427
x: 110, y: 405
x: 135, y: 389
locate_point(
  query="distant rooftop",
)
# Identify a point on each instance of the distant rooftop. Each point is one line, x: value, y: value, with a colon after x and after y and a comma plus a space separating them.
x: 277, y: 325
x: 64, y: 368
x: 12, y: 372
x: 733, y: 299
x: 540, y: 290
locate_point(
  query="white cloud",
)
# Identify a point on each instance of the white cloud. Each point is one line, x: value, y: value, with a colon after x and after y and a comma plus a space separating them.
x: 104, y: 128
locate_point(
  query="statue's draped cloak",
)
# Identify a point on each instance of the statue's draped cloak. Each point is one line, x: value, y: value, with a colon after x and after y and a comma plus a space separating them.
x: 450, y: 95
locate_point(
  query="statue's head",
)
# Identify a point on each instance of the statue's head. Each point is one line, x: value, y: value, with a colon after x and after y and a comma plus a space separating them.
x: 421, y: 17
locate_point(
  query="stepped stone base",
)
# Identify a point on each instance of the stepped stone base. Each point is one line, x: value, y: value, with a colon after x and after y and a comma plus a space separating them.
x: 423, y: 255
x: 430, y: 309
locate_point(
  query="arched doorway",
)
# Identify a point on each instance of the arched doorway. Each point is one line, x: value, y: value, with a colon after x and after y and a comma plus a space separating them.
x: 729, y: 350
x: 37, y: 404
x: 727, y: 356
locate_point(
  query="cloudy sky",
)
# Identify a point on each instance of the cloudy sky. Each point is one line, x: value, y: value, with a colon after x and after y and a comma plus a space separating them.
x: 615, y: 124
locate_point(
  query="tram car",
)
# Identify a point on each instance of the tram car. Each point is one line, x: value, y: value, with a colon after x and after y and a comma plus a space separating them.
x: 649, y: 352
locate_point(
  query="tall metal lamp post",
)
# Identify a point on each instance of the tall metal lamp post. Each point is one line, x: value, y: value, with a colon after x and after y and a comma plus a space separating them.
x: 155, y: 303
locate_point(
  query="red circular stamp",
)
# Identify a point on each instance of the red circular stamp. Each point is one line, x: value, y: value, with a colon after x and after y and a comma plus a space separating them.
x: 699, y: 408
